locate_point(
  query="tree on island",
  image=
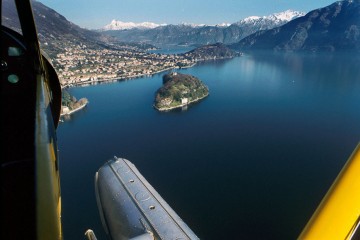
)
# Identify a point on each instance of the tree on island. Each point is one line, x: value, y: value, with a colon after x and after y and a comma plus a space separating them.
x: 71, y: 102
x: 179, y: 90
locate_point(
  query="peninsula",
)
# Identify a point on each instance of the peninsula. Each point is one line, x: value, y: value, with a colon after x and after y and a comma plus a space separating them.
x: 179, y: 90
x: 70, y: 105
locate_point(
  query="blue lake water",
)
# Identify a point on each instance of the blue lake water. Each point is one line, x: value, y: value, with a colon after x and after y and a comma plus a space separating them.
x: 251, y: 161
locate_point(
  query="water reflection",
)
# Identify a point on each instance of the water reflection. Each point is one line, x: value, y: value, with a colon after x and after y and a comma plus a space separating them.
x: 258, y: 153
x: 319, y: 67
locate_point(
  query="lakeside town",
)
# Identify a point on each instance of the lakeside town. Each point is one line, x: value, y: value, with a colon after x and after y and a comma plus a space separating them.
x: 81, y: 65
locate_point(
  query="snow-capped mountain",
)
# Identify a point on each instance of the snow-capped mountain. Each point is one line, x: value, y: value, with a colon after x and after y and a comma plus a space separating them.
x: 200, y: 34
x: 287, y: 15
x: 274, y: 19
x: 197, y: 25
x: 332, y: 28
x: 119, y: 25
x: 223, y: 25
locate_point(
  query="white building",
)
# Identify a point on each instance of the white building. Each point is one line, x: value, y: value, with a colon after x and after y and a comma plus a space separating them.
x: 184, y: 101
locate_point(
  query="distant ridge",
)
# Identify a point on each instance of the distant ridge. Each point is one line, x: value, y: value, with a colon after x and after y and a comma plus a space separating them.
x: 273, y: 19
x: 56, y: 33
x: 54, y: 30
x: 200, y: 34
x: 332, y: 28
x: 119, y: 25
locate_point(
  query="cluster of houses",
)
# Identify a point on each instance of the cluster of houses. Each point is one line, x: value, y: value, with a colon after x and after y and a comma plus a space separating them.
x: 80, y: 65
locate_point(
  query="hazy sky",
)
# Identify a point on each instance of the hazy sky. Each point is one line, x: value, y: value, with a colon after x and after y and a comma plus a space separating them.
x: 97, y: 13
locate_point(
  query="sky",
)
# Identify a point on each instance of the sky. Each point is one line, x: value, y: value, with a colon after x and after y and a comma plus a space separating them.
x: 94, y: 14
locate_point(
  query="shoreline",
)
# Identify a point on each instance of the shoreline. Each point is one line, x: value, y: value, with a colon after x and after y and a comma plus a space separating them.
x: 179, y: 106
x: 115, y: 79
x: 74, y: 110
x: 118, y: 79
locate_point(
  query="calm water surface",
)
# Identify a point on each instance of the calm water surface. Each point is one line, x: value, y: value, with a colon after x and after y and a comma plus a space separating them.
x: 251, y: 161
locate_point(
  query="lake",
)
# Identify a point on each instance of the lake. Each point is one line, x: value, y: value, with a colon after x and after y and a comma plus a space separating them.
x: 251, y: 161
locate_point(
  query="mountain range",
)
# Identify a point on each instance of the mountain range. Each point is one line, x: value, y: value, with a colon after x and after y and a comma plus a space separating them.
x: 277, y: 18
x: 190, y: 34
x: 119, y: 25
x: 55, y: 32
x: 332, y: 28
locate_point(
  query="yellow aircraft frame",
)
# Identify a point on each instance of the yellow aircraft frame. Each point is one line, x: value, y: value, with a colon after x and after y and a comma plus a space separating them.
x: 338, y: 215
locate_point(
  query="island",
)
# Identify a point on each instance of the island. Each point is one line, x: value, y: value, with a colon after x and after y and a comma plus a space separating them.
x: 179, y: 90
